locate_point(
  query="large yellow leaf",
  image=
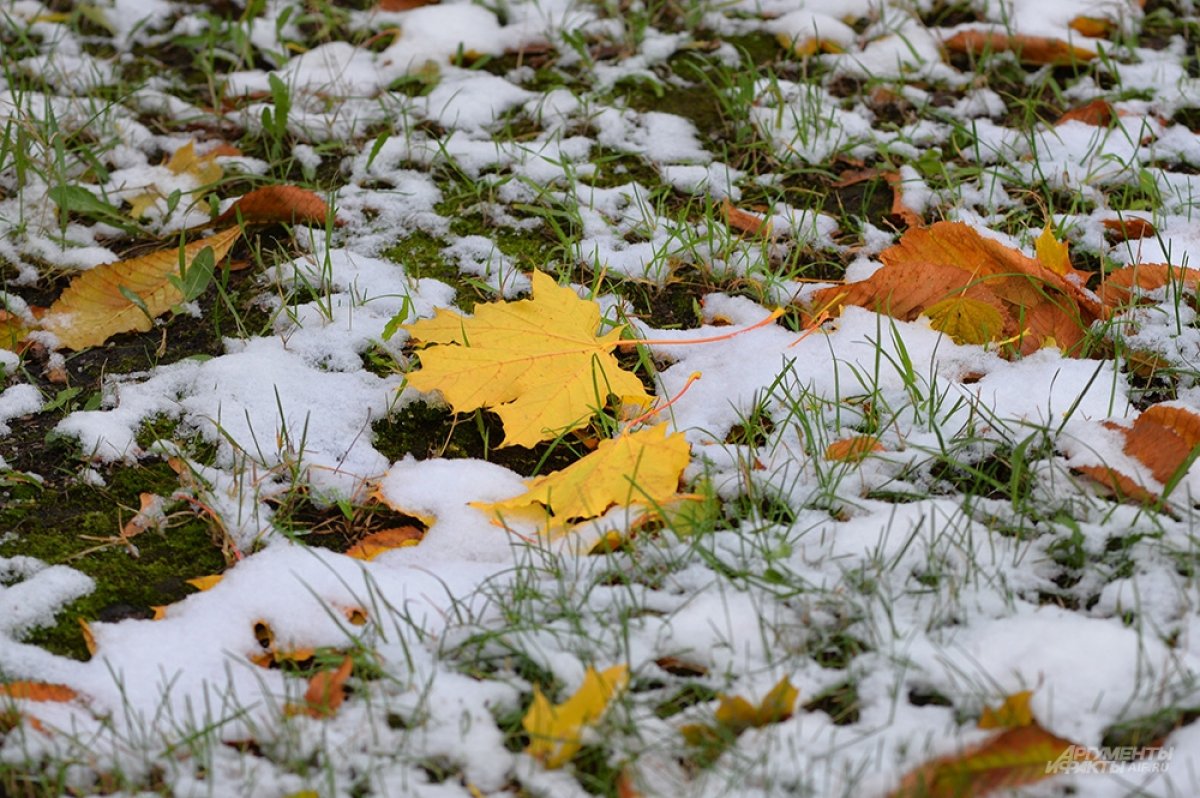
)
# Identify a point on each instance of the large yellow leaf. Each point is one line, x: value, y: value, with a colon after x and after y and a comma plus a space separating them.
x: 555, y: 730
x: 537, y: 362
x: 636, y: 468
x: 101, y: 302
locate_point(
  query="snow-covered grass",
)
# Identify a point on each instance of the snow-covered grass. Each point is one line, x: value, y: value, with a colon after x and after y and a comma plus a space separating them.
x: 462, y: 146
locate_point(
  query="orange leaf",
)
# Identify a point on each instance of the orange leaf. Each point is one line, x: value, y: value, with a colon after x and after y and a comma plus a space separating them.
x: 1097, y: 113
x: 744, y: 221
x: 1013, y: 713
x: 1162, y: 439
x: 205, y: 582
x: 1009, y: 759
x: 1118, y: 285
x: 1034, y: 50
x: 899, y: 207
x: 1095, y: 27
x: 276, y: 204
x: 326, y: 692
x: 89, y: 639
x: 1121, y: 485
x: 854, y: 449
x: 149, y: 516
x: 127, y: 295
x: 1129, y: 228
x: 377, y: 543
x: 37, y: 691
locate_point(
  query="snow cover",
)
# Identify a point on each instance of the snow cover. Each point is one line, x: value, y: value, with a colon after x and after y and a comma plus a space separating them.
x: 942, y: 596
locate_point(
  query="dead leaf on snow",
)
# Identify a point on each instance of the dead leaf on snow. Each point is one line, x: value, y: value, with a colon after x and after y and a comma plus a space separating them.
x: 127, y: 295
x: 37, y: 691
x: 1033, y: 50
x: 1097, y: 113
x: 1013, y: 713
x: 555, y: 730
x: 277, y: 205
x: 1118, y: 285
x: 326, y: 692
x: 854, y: 449
x: 377, y: 543
x: 1129, y: 228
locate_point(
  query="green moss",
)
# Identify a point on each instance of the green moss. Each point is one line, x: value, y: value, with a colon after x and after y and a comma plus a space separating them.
x: 55, y: 526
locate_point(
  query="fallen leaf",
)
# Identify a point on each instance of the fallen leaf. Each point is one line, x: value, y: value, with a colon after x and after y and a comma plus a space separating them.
x: 744, y: 221
x: 735, y: 714
x: 1129, y: 228
x: 900, y: 208
x: 37, y: 691
x: 555, y: 730
x: 89, y: 639
x: 537, y: 363
x: 1097, y: 113
x: 1013, y: 713
x: 404, y: 5
x: 1163, y: 438
x: 1052, y: 253
x: 127, y: 295
x: 640, y: 467
x: 854, y: 449
x: 206, y: 582
x: 1012, y: 758
x: 1118, y: 285
x: 969, y: 320
x: 12, y: 330
x: 325, y: 693
x: 377, y: 543
x: 1121, y: 485
x: 276, y: 205
x: 1034, y: 50
x: 149, y: 516
x: 1095, y: 27
x: 271, y: 655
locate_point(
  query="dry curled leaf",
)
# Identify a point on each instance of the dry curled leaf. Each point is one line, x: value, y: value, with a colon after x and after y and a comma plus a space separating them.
x: 1097, y: 113
x: 127, y: 295
x: 1034, y: 50
x: 744, y: 221
x: 900, y: 208
x: 326, y: 692
x: 1129, y: 228
x: 1012, y: 758
x: 537, y: 363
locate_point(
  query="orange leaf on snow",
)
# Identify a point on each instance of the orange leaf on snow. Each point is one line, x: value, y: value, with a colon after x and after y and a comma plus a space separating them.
x: 206, y: 582
x: 854, y: 449
x: 37, y: 691
x: 326, y: 692
x: 1097, y: 113
x: 1035, y: 50
x: 1163, y: 439
x: 900, y: 208
x: 1121, y: 485
x: 377, y: 543
x: 1118, y: 285
x: 1094, y: 27
x: 744, y: 221
x: 127, y: 295
x: 1012, y: 758
x: 1129, y: 228
x: 277, y: 204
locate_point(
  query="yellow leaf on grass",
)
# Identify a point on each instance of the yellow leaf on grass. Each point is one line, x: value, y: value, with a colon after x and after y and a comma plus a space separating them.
x: 735, y: 714
x: 1012, y: 714
x: 640, y: 467
x: 203, y: 169
x: 537, y: 362
x: 555, y: 730
x: 1052, y: 253
x: 966, y: 320
x: 105, y: 300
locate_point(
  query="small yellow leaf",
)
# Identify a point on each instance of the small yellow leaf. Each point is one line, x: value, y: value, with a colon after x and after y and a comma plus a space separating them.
x: 142, y: 203
x: 854, y: 449
x: 1095, y: 27
x: 555, y: 730
x: 640, y: 467
x: 537, y: 363
x: 89, y: 639
x: 1052, y: 253
x: 205, y: 170
x: 101, y: 302
x: 206, y: 582
x: 966, y: 320
x: 1013, y: 713
x: 737, y: 714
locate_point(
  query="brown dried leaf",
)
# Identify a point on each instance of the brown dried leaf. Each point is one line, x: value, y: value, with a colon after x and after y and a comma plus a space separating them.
x: 1009, y: 759
x: 94, y: 307
x: 274, y: 205
x: 900, y: 208
x: 744, y: 221
x: 326, y: 692
x: 1094, y: 27
x: 1034, y: 50
x: 403, y: 5
x: 1129, y: 228
x: 1097, y: 113
x: 1121, y: 485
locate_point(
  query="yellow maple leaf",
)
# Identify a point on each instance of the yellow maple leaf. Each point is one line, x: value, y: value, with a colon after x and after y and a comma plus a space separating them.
x: 124, y: 296
x: 1052, y: 253
x: 555, y: 730
x: 537, y: 363
x: 966, y: 320
x: 640, y: 467
x: 735, y: 714
x: 204, y: 170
